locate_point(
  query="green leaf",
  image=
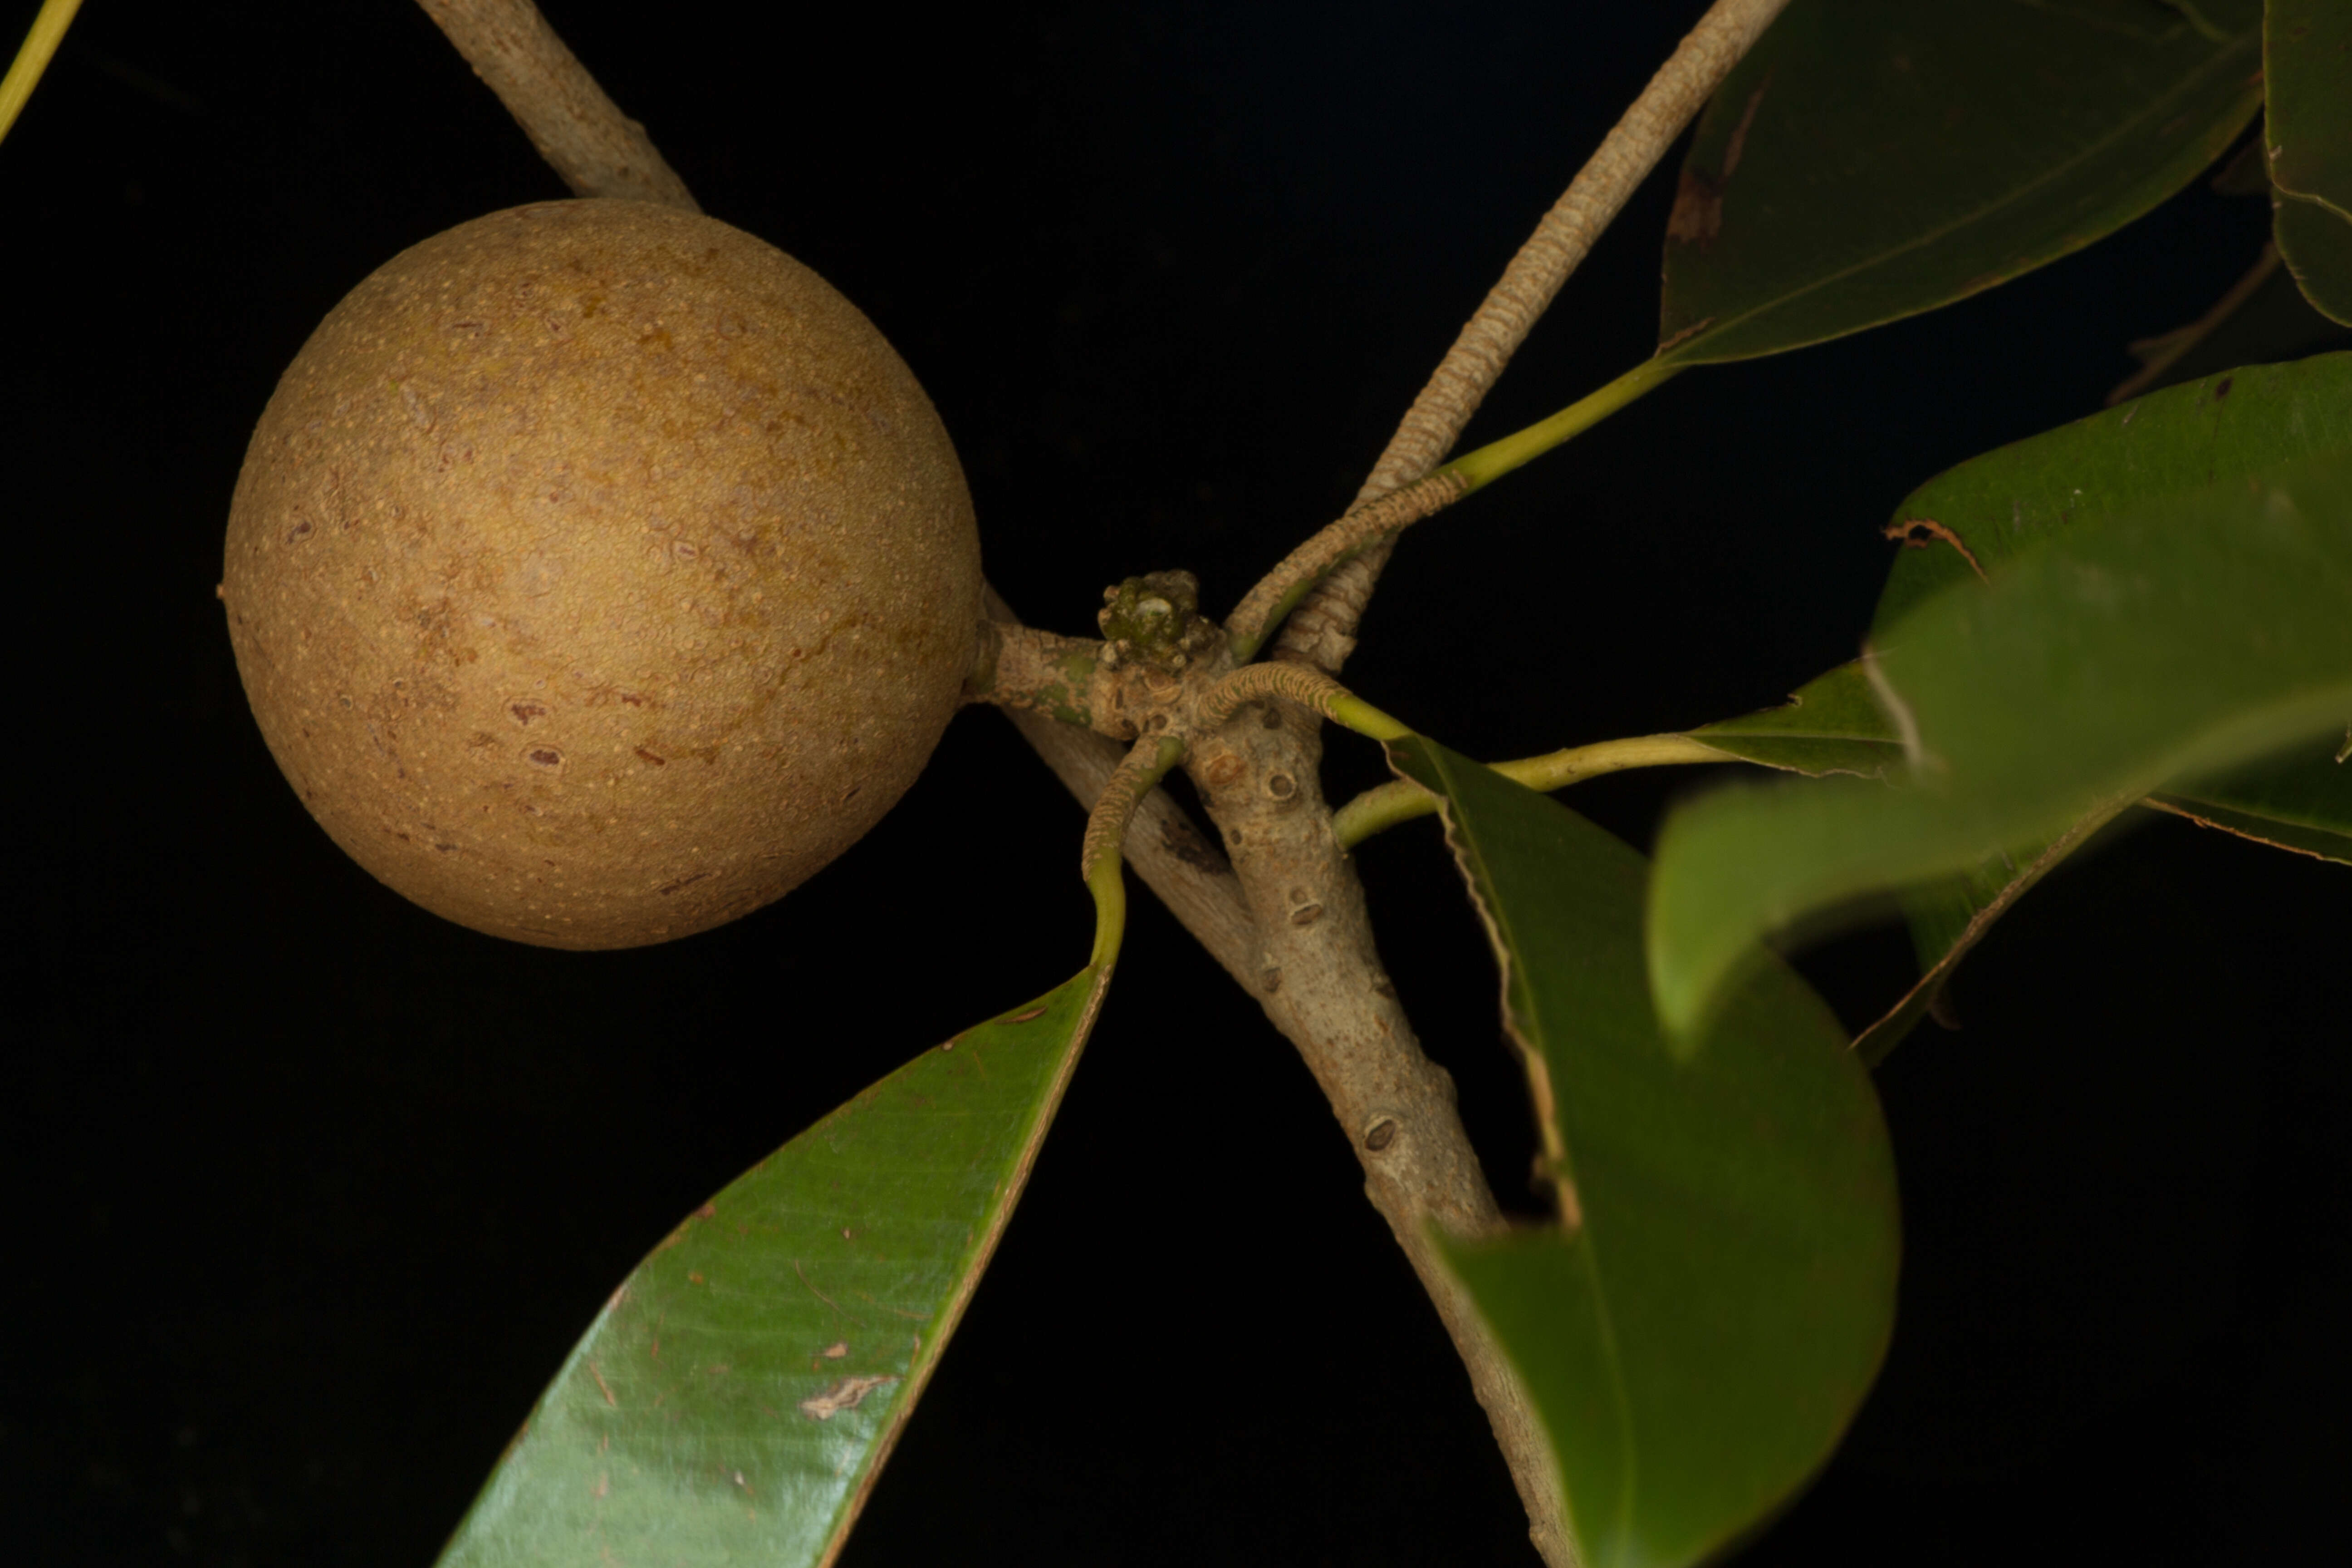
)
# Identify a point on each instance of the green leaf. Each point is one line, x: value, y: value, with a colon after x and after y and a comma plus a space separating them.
x: 2167, y: 443
x: 1698, y: 1336
x: 2175, y: 640
x: 2317, y: 247
x: 1989, y: 509
x: 1835, y: 725
x: 2304, y: 804
x: 1832, y: 725
x: 1947, y: 923
x: 2171, y: 443
x: 2307, y: 83
x: 735, y: 1399
x: 2262, y: 319
x: 1869, y: 161
x: 2308, y: 131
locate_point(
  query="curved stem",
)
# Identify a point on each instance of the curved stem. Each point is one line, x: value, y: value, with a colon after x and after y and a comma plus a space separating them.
x: 1277, y: 592
x: 48, y: 30
x: 1280, y: 590
x: 1305, y: 685
x: 1108, y: 883
x: 1379, y: 809
x: 1323, y: 632
x: 1099, y: 857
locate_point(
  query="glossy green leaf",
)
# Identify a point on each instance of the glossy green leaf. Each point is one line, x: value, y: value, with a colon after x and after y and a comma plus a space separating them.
x: 1989, y: 509
x: 2308, y: 131
x: 2167, y: 443
x: 1696, y: 1339
x: 2307, y: 87
x: 2317, y: 247
x: 735, y: 1399
x: 2304, y: 805
x: 1986, y: 511
x: 1948, y: 922
x: 2264, y: 319
x: 1832, y: 725
x: 1835, y: 725
x: 1868, y: 162
x: 2173, y: 640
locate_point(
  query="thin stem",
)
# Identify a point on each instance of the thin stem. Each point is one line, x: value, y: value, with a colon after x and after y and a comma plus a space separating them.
x: 1365, y: 720
x: 1490, y: 462
x: 1378, y: 810
x: 1323, y: 631
x: 1108, y: 883
x: 1098, y: 857
x: 582, y: 133
x: 1168, y: 850
x: 1370, y: 526
x: 1280, y: 591
x: 1303, y: 684
x: 41, y: 43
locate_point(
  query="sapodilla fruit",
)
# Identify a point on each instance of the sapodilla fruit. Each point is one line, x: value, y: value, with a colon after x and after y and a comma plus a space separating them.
x: 597, y: 573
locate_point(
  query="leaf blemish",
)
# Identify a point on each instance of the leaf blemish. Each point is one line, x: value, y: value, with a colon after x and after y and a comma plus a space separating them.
x: 1909, y: 533
x: 1697, y: 215
x: 1738, y: 142
x: 843, y: 1396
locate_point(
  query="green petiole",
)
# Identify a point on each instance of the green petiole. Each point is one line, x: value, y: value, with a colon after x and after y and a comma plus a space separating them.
x: 1379, y: 809
x: 40, y: 44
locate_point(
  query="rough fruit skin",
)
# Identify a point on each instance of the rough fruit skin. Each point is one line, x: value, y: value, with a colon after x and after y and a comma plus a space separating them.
x: 597, y: 573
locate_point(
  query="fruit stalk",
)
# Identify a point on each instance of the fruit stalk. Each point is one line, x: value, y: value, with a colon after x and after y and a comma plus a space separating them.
x: 582, y: 133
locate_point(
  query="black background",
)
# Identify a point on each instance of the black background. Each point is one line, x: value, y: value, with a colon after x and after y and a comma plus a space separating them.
x: 308, y: 1191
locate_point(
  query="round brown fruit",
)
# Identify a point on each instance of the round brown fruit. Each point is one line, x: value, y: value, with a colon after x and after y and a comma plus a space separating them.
x: 597, y: 573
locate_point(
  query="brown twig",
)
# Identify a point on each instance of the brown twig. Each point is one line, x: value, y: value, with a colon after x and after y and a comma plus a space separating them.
x: 1322, y: 630
x: 582, y: 133
x: 1285, y: 916
x: 1321, y: 980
